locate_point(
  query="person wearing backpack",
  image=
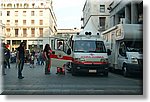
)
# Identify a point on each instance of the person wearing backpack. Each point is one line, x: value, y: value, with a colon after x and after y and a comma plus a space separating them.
x: 46, y: 54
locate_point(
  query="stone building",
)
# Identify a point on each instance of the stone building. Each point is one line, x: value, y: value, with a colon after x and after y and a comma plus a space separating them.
x: 31, y: 21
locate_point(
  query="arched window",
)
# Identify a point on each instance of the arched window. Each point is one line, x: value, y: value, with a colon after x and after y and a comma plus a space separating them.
x: 26, y: 5
x: 9, y: 5
x: 1, y: 5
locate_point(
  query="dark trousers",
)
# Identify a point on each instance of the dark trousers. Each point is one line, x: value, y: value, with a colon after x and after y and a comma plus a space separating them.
x: 20, y: 67
x: 4, y: 67
x: 7, y: 62
x: 47, y: 66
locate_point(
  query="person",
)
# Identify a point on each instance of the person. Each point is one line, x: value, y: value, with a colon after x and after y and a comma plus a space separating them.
x: 60, y: 46
x: 3, y: 59
x: 41, y: 58
x: 32, y: 60
x: 38, y: 58
x: 20, y: 59
x: 47, y: 52
x: 7, y: 57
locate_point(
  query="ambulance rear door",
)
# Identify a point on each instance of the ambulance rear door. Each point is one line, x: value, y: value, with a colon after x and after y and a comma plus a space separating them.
x: 60, y: 56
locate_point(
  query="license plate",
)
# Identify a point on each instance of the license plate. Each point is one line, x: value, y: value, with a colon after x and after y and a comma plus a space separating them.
x: 92, y: 71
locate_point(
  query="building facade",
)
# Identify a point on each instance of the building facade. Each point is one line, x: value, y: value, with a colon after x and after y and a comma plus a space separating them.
x: 95, y: 15
x: 126, y: 12
x: 2, y: 26
x: 31, y: 21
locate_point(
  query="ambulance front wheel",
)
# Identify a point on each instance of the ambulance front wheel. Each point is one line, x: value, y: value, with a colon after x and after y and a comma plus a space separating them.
x: 73, y: 72
x: 106, y: 74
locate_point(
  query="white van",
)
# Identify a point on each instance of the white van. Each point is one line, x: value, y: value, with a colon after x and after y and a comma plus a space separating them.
x: 85, y: 53
x: 126, y: 44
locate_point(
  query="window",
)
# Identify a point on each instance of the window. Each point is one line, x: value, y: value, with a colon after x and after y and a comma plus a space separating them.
x: 32, y: 22
x: 33, y: 32
x: 41, y: 32
x: 17, y: 5
x: 42, y: 4
x: 24, y: 22
x: 32, y: 13
x: 90, y: 46
x: 8, y: 22
x: 16, y: 22
x: 8, y: 13
x: 24, y: 32
x: 9, y: 5
x: 102, y: 22
x: 16, y: 13
x: 33, y: 5
x: 16, y: 32
x: 41, y: 22
x: 24, y: 13
x: 8, y: 30
x: 40, y: 13
x: 102, y: 8
x: 122, y: 49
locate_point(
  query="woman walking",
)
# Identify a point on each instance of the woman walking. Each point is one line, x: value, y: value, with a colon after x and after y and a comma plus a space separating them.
x: 47, y: 52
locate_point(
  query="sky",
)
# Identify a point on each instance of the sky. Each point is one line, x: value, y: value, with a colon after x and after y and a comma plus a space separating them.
x: 68, y: 13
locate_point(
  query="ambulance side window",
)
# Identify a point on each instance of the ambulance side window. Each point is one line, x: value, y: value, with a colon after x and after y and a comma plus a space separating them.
x: 52, y: 44
x: 60, y: 45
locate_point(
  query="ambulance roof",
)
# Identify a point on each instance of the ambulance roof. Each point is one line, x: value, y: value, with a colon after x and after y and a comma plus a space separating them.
x: 86, y: 37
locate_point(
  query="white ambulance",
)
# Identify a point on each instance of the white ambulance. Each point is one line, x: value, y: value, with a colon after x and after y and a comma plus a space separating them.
x: 83, y: 53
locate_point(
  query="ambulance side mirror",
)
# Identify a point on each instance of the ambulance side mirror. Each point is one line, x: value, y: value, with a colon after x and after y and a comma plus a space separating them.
x: 69, y: 51
x: 108, y: 52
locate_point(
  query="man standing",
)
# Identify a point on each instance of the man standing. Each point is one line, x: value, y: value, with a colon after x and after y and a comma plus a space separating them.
x: 20, y: 59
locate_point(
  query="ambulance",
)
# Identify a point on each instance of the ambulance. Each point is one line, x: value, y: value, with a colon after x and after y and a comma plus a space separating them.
x: 84, y: 53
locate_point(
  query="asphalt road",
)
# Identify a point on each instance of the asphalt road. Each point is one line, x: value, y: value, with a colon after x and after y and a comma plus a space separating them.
x: 37, y: 83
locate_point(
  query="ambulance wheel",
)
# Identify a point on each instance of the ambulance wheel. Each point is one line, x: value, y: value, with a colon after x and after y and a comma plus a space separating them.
x: 73, y: 72
x: 105, y: 74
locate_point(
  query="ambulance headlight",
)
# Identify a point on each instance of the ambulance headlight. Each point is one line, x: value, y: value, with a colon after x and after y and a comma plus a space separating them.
x: 134, y: 60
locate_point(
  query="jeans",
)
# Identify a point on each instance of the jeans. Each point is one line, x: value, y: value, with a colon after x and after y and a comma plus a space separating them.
x: 20, y: 67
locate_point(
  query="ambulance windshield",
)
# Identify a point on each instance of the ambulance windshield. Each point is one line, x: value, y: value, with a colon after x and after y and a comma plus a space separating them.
x: 86, y: 46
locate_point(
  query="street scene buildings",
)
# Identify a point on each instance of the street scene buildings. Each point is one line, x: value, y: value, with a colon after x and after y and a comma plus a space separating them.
x: 109, y: 43
x: 30, y: 21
